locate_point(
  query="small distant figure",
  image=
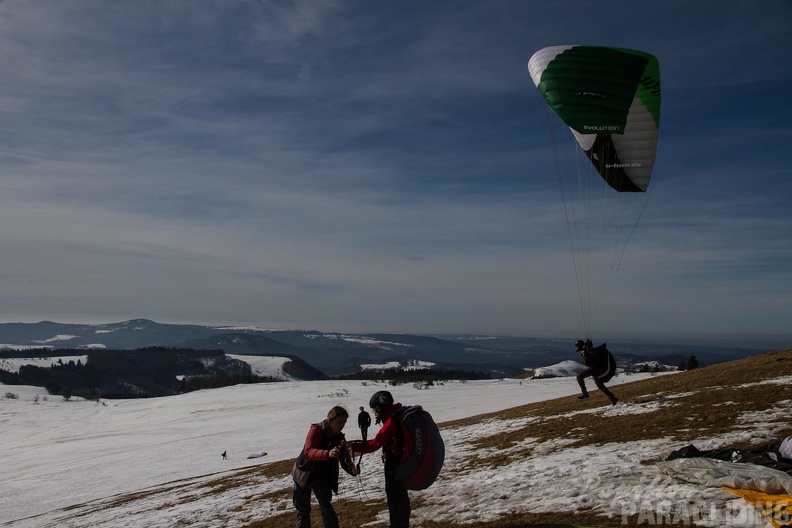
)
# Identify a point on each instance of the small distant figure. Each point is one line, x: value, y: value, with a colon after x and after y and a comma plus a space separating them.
x: 601, y: 367
x: 364, y: 421
x: 225, y: 455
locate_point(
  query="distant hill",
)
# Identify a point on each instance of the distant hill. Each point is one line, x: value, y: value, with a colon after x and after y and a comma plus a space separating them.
x: 284, y: 367
x: 335, y: 353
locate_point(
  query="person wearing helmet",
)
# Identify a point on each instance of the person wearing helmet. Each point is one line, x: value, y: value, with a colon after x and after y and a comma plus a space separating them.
x: 389, y: 438
x: 601, y: 367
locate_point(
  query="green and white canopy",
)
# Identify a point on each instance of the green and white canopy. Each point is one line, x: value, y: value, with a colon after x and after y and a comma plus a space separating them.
x: 610, y: 99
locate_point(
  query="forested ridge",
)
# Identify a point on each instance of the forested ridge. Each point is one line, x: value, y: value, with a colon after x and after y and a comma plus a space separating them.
x: 140, y: 373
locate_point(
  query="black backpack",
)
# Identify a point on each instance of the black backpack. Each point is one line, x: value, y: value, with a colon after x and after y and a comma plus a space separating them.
x: 604, y: 363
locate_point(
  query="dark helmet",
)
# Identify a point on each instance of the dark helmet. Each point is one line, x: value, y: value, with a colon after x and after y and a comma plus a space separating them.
x: 579, y: 344
x: 382, y: 400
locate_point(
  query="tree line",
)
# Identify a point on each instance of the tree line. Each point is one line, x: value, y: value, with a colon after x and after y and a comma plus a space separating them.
x: 399, y: 375
x: 141, y: 373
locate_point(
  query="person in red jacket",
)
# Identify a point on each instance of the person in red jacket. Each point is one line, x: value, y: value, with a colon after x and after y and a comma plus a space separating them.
x: 389, y: 438
x: 325, y: 447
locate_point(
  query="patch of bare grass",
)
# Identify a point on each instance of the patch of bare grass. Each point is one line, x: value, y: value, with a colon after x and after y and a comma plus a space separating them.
x: 701, y: 403
x: 693, y: 404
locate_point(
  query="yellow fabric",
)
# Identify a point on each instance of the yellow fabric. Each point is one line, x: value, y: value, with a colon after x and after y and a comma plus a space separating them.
x: 775, y: 509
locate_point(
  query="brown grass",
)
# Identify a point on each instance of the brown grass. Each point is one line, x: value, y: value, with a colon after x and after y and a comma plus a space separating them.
x: 703, y: 394
x: 708, y: 401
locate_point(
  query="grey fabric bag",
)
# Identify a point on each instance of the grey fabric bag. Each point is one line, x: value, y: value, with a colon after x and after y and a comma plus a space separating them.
x: 301, y: 472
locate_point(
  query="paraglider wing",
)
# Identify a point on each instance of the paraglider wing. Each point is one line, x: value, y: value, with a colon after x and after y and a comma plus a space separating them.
x: 610, y: 99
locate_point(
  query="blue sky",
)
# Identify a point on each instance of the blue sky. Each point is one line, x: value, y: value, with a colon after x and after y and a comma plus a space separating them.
x: 378, y: 166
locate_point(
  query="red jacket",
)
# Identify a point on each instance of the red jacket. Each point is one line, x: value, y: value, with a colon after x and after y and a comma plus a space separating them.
x: 388, y: 437
x: 318, y: 444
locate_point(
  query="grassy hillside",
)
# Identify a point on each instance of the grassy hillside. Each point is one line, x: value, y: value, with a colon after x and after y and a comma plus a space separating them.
x: 698, y: 412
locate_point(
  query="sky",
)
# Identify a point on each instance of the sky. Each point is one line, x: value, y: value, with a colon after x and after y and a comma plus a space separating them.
x: 153, y: 462
x: 378, y: 167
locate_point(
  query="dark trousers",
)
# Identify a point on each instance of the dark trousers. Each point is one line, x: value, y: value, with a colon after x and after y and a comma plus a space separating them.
x: 601, y: 386
x: 301, y: 497
x: 398, y: 500
x: 363, y: 435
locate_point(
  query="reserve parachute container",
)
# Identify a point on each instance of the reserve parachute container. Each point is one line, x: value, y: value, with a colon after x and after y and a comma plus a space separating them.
x: 424, y: 450
x: 609, y: 98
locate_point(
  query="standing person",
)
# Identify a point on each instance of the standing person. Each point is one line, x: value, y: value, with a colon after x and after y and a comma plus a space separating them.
x: 390, y: 440
x: 325, y: 447
x: 364, y: 421
x: 601, y: 367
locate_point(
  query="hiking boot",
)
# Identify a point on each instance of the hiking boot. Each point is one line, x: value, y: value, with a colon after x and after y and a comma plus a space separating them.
x: 583, y: 396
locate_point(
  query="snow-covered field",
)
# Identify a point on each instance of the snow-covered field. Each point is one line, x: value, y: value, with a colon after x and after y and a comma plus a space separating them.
x: 265, y: 366
x: 13, y: 364
x: 58, y: 453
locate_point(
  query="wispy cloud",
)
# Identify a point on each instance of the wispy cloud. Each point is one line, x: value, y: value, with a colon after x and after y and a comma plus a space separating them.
x: 385, y: 167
